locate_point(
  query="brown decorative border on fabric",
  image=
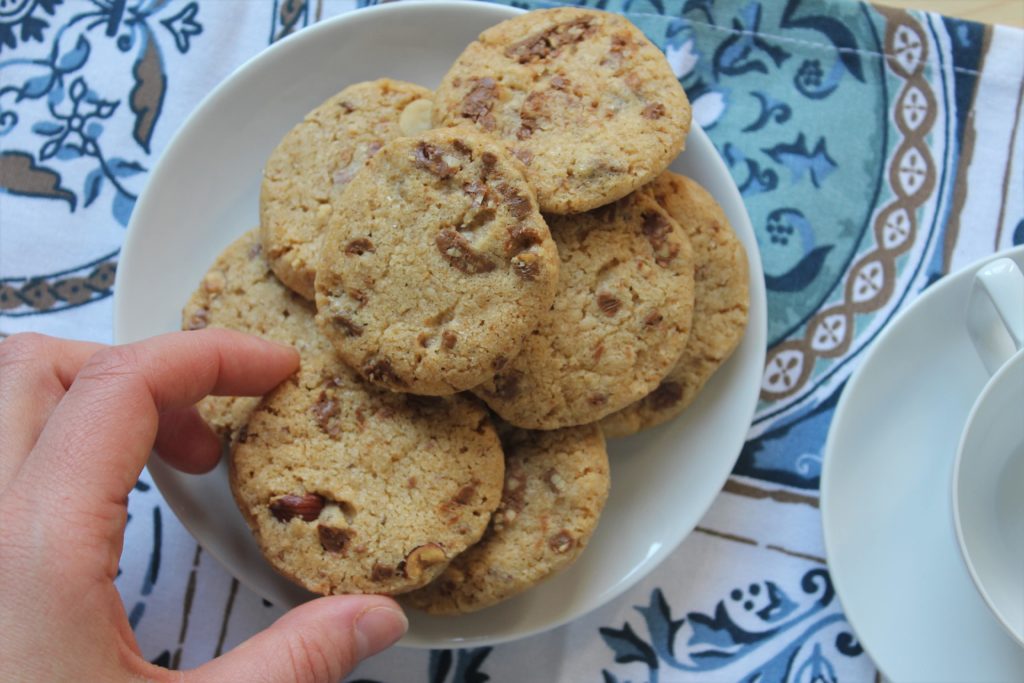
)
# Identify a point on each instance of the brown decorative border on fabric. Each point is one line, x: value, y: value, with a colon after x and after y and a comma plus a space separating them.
x: 912, y: 178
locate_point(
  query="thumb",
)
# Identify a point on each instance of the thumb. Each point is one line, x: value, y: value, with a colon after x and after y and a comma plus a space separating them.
x: 320, y: 641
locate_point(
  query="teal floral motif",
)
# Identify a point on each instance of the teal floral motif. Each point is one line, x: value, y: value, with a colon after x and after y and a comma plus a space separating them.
x: 816, y: 163
x: 692, y: 7
x: 789, y: 230
x: 758, y: 180
x: 772, y: 110
x: 740, y: 53
x: 807, y: 630
x: 795, y: 83
x: 681, y: 51
x: 810, y: 79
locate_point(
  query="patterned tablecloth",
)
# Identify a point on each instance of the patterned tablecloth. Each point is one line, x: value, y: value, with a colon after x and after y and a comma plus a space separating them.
x: 877, y: 150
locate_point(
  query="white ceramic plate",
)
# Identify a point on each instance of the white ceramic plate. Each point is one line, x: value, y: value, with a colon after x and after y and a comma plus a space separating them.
x: 886, y: 504
x: 204, y: 192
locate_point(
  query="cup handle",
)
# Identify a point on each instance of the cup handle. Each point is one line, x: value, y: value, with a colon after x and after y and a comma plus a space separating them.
x: 995, y: 313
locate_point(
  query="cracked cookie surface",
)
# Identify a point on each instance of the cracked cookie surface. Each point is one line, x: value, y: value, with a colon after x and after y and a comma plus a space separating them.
x: 311, y: 165
x: 436, y: 264
x: 721, y: 305
x: 353, y: 489
x: 579, y: 96
x: 556, y: 484
x: 619, y: 322
x: 239, y: 292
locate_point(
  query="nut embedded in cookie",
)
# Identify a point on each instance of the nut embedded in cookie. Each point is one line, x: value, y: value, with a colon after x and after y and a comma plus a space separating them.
x: 349, y: 488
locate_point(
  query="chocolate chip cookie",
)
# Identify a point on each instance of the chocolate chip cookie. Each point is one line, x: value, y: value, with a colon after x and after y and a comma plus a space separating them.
x: 556, y: 484
x: 619, y: 322
x: 721, y: 304
x: 306, y: 172
x: 436, y: 264
x: 352, y: 489
x: 579, y: 96
x: 239, y: 292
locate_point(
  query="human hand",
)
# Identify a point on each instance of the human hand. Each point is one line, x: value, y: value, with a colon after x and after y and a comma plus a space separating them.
x: 77, y: 423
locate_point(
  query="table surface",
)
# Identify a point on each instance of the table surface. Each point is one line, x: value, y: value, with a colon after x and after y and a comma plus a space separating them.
x: 1007, y: 12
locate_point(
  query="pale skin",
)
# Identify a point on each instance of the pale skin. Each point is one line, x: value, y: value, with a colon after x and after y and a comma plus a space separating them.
x: 77, y: 423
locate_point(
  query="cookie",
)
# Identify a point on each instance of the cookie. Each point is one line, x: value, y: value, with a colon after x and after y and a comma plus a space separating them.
x: 619, y: 322
x: 239, y: 292
x: 351, y: 489
x: 436, y: 264
x: 721, y: 303
x: 317, y: 158
x: 579, y: 96
x: 556, y: 484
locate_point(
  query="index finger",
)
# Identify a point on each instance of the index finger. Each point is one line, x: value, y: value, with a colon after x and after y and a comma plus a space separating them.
x: 101, y: 433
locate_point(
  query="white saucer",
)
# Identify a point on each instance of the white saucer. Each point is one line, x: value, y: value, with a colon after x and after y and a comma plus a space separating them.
x: 886, y: 505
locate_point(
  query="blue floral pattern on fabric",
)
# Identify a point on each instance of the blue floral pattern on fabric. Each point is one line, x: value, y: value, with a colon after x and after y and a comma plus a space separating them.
x: 798, y: 631
x: 101, y: 82
x: 76, y: 115
x: 24, y: 20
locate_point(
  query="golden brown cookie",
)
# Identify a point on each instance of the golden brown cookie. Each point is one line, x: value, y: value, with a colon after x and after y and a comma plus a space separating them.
x: 351, y: 489
x: 580, y: 96
x: 556, y: 484
x: 436, y: 264
x: 721, y: 303
x: 239, y: 292
x: 306, y: 172
x: 619, y: 322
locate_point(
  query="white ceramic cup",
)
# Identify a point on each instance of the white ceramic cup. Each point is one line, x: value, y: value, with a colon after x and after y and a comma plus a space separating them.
x: 988, y: 478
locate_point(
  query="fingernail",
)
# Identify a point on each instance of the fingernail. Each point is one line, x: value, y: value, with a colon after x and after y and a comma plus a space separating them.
x: 377, y: 629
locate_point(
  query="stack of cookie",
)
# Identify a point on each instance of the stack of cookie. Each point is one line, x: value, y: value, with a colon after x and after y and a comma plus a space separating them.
x: 483, y: 282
